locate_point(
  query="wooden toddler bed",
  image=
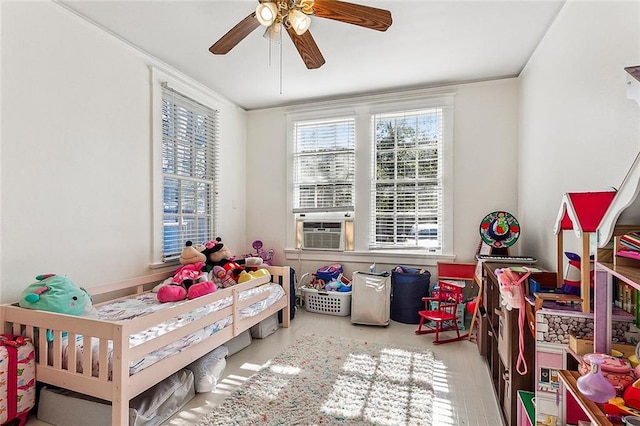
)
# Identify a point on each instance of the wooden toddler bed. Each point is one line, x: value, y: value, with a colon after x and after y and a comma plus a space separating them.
x: 109, y: 351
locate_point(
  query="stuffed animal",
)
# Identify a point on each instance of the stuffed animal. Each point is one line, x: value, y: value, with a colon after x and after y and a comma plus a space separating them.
x: 246, y: 276
x: 191, y: 272
x: 221, y: 277
x: 189, y: 280
x: 192, y: 254
x: 57, y: 293
x: 218, y: 254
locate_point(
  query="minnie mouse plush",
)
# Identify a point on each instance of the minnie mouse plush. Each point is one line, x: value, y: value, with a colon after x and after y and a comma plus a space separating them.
x: 190, y: 280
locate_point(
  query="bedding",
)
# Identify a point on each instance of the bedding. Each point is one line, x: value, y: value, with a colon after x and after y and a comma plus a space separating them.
x: 146, y: 303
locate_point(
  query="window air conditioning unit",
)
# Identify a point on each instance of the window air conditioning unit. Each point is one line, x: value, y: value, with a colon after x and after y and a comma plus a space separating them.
x: 318, y: 234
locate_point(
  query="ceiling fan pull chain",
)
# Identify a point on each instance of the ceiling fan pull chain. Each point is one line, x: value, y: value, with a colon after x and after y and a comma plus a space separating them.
x: 281, y: 62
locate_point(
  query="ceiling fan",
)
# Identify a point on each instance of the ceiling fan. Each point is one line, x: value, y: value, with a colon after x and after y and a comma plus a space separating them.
x: 295, y: 17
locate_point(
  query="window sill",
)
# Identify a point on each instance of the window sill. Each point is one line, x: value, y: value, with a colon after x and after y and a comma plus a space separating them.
x: 156, y: 267
x: 409, y: 258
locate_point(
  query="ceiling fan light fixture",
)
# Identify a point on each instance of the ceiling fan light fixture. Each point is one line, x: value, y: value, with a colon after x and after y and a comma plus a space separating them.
x: 273, y: 32
x: 299, y: 21
x: 266, y: 13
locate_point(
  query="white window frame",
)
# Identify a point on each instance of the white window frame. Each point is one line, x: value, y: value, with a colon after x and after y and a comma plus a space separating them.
x: 299, y: 155
x: 397, y: 216
x: 363, y: 108
x: 159, y: 77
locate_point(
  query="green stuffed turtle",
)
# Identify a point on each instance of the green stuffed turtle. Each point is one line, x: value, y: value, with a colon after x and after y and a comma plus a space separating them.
x: 57, y: 293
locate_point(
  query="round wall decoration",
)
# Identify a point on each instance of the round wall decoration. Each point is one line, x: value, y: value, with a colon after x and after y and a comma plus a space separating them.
x: 499, y: 229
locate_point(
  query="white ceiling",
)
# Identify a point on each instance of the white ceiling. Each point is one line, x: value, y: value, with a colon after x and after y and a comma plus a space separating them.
x: 430, y: 43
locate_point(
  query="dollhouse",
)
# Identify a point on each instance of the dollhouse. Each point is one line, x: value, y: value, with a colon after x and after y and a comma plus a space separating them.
x: 611, y: 214
x: 617, y: 261
x: 581, y: 212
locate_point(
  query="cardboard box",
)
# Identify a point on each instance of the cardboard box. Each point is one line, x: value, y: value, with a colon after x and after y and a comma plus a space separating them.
x: 585, y: 346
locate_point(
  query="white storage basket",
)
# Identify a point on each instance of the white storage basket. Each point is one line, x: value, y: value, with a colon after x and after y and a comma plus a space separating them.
x: 327, y: 302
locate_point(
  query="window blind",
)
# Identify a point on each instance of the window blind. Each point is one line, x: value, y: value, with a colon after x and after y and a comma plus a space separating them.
x: 189, y: 163
x: 324, y: 165
x: 407, y: 187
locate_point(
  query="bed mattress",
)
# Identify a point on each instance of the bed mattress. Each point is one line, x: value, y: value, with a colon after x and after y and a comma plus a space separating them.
x: 146, y: 303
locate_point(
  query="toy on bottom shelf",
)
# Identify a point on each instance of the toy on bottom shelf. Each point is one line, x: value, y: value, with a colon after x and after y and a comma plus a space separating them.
x: 593, y: 384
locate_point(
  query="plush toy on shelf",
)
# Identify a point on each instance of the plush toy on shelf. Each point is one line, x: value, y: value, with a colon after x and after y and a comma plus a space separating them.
x: 189, y: 281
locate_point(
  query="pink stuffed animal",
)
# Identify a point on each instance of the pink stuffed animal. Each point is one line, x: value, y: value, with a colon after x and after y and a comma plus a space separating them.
x: 189, y: 280
x: 188, y: 290
x: 188, y: 272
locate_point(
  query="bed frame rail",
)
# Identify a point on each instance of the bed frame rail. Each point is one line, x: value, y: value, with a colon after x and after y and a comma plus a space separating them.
x: 49, y: 330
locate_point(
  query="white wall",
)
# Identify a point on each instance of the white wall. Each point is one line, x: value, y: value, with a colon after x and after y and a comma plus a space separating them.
x: 76, y: 152
x: 485, y: 170
x: 578, y: 130
x: 75, y: 167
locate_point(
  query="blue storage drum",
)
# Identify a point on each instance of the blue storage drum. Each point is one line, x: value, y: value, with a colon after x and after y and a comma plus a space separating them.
x: 408, y: 287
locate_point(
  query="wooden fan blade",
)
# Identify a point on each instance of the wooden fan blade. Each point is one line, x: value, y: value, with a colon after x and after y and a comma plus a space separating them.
x: 307, y: 48
x: 356, y: 14
x: 235, y: 35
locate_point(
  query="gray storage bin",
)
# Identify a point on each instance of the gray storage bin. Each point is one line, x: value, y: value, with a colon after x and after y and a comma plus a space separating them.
x: 63, y: 407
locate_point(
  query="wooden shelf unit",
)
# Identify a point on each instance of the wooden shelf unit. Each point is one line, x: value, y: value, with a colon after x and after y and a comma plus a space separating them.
x: 497, y: 341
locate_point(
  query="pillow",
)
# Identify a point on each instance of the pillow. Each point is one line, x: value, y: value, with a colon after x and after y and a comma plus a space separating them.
x: 208, y: 369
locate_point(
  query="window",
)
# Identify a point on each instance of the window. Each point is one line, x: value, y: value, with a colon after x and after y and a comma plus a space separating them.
x: 189, y: 164
x: 395, y: 151
x: 324, y: 165
x: 407, y: 188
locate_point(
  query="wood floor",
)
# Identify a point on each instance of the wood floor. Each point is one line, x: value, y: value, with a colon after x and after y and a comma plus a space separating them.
x: 464, y: 395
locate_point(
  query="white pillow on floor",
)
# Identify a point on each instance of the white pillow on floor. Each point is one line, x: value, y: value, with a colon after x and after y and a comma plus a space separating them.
x: 208, y: 369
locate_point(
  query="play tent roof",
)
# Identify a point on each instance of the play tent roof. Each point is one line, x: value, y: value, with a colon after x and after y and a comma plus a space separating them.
x: 582, y: 211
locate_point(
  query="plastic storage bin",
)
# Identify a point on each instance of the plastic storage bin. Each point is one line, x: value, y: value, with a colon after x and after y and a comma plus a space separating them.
x: 327, y: 302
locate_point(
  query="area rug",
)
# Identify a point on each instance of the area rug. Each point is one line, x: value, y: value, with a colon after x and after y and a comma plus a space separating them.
x: 323, y: 380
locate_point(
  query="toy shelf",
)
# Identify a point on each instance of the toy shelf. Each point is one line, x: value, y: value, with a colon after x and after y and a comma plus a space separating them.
x: 590, y: 408
x: 628, y: 274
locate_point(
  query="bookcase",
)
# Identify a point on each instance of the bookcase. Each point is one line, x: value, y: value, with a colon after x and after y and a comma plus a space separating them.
x: 497, y: 341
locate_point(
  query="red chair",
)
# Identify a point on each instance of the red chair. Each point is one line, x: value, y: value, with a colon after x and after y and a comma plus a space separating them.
x: 443, y: 316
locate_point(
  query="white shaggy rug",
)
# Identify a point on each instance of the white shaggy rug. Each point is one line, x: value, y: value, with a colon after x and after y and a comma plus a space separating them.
x: 323, y: 380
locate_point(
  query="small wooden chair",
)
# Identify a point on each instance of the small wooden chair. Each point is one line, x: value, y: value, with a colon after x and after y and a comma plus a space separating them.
x: 443, y: 316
